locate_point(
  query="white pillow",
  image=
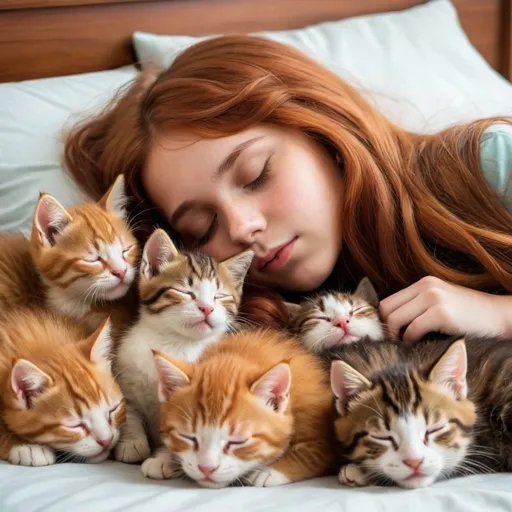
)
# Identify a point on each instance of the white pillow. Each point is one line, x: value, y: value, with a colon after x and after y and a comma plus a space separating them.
x: 33, y: 115
x: 416, y: 65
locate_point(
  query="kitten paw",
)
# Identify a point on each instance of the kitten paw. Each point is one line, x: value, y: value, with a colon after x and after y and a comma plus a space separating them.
x: 130, y: 451
x: 351, y: 476
x: 267, y: 477
x: 31, y: 455
x: 160, y: 467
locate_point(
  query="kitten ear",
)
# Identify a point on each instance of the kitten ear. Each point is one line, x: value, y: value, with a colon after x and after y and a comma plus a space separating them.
x: 170, y: 376
x: 366, y: 291
x: 449, y: 372
x: 27, y: 382
x: 98, y: 346
x: 293, y: 310
x: 238, y: 266
x: 345, y: 383
x: 273, y: 388
x: 115, y: 200
x: 158, y: 251
x: 50, y: 219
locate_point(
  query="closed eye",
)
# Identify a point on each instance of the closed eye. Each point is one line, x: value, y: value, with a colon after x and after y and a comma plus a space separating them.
x: 113, y: 409
x: 190, y: 439
x: 220, y: 296
x: 432, y: 430
x: 189, y: 293
x: 386, y: 439
x: 92, y: 260
x: 323, y: 318
x: 77, y: 425
x: 239, y: 442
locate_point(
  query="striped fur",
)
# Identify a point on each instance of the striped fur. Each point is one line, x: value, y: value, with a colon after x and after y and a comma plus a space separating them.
x: 56, y: 267
x: 233, y: 409
x: 395, y: 395
x: 57, y: 391
x: 174, y: 289
x: 332, y: 318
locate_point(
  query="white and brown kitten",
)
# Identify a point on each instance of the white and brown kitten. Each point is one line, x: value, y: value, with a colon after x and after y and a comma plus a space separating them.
x: 187, y: 302
x: 330, y: 319
x: 77, y: 262
x: 413, y: 415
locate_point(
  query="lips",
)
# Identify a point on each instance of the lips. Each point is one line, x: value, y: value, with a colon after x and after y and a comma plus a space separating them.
x: 272, y: 257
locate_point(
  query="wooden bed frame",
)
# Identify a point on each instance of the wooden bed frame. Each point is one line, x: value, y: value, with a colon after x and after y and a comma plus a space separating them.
x: 43, y: 38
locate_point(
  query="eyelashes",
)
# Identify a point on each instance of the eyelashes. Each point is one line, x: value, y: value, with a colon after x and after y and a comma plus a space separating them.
x: 262, y: 177
x: 257, y: 183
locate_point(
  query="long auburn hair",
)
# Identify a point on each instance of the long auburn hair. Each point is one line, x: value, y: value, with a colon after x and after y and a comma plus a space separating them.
x: 414, y: 205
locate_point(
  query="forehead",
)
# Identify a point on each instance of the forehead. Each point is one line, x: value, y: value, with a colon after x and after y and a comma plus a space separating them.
x: 188, y: 162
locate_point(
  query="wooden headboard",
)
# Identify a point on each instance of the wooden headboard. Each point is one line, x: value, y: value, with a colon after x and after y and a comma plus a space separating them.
x: 42, y: 38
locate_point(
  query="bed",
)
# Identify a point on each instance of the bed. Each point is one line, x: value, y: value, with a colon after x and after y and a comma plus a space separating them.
x: 426, y: 65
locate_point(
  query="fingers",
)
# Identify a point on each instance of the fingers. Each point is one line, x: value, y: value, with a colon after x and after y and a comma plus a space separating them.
x: 433, y: 319
x: 404, y: 315
x: 390, y: 304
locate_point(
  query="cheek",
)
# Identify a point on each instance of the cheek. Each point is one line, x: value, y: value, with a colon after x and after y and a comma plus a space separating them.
x: 60, y: 436
x: 369, y: 326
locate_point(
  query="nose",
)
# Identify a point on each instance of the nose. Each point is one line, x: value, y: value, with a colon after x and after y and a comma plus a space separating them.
x: 206, y: 310
x: 207, y: 470
x: 244, y: 223
x: 119, y: 272
x: 106, y: 442
x: 413, y: 463
x: 342, y: 323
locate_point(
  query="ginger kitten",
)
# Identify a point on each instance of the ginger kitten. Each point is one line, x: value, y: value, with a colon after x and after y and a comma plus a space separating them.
x: 255, y: 408
x: 187, y: 302
x: 410, y: 416
x: 330, y: 319
x: 57, y: 392
x: 77, y: 261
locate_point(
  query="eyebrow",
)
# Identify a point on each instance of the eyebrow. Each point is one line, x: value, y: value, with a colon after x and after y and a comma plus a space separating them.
x: 225, y: 166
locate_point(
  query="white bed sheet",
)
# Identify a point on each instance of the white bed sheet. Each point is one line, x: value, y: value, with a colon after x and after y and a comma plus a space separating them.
x: 112, y: 487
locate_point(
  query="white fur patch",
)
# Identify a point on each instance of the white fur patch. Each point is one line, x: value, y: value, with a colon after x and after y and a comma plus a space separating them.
x: 31, y: 455
x: 267, y: 477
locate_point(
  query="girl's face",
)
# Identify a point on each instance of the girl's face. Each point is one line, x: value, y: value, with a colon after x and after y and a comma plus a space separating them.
x: 269, y: 188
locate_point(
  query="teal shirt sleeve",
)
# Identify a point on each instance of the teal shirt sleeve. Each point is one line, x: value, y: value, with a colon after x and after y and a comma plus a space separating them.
x: 496, y: 161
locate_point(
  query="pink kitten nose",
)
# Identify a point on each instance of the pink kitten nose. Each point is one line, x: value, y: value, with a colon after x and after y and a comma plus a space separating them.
x: 413, y: 463
x: 207, y: 470
x: 206, y: 310
x: 105, y: 443
x: 342, y: 323
x: 119, y: 272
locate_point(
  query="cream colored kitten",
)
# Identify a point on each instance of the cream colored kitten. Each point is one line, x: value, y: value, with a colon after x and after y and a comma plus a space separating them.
x: 188, y: 301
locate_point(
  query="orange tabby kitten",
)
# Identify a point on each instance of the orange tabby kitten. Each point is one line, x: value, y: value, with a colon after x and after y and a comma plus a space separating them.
x: 255, y: 406
x: 57, y: 392
x: 76, y: 259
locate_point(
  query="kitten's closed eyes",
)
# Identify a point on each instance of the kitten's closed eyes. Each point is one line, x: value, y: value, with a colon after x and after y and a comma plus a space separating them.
x: 59, y: 393
x: 331, y: 319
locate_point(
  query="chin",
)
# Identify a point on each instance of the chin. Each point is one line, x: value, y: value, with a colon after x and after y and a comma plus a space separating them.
x: 98, y: 458
x: 117, y: 292
x: 210, y: 484
x: 417, y: 482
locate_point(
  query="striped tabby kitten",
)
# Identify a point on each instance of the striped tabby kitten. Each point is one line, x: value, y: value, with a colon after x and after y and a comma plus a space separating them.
x: 76, y: 259
x: 411, y: 416
x: 256, y: 407
x: 57, y: 392
x: 336, y: 318
x: 188, y: 301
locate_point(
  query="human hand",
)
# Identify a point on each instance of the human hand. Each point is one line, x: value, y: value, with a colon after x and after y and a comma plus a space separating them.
x: 431, y: 304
